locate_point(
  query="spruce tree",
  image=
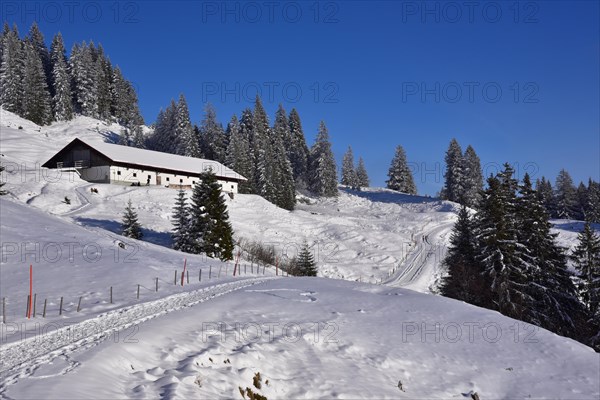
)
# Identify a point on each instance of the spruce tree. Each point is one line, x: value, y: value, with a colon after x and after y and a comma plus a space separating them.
x: 181, y: 224
x: 11, y: 72
x: 322, y: 168
x: 305, y: 263
x: 210, y: 230
x: 213, y: 140
x: 473, y: 178
x: 349, y: 176
x: 593, y: 199
x: 464, y: 280
x: 263, y: 153
x: 239, y: 157
x: 400, y: 176
x: 498, y: 250
x: 566, y: 196
x: 545, y: 195
x: 37, y: 105
x: 586, y: 257
x: 283, y: 174
x: 83, y: 74
x: 131, y: 227
x: 298, y: 150
x: 455, y: 173
x: 103, y: 78
x: 581, y: 205
x: 361, y: 174
x: 37, y: 40
x: 554, y: 299
x: 62, y: 97
x: 247, y: 133
x: 183, y: 130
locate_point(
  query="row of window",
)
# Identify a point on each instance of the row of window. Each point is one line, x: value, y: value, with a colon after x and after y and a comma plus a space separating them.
x: 168, y: 179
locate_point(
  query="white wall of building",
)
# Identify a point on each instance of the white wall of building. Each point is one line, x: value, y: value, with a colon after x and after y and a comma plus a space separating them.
x: 130, y: 175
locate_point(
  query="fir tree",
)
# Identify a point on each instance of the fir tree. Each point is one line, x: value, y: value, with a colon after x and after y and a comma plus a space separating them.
x: 283, y: 174
x: 213, y: 140
x: 11, y: 72
x: 181, y: 224
x: 464, y: 280
x: 184, y: 131
x: 400, y: 176
x: 62, y: 97
x: 103, y: 78
x: 239, y: 155
x: 498, y: 250
x: 37, y: 40
x: 305, y: 263
x: 349, y: 176
x: 455, y: 171
x: 566, y: 196
x: 361, y: 174
x: 263, y: 177
x: 545, y: 195
x: 37, y: 105
x: 586, y: 257
x: 593, y: 199
x: 83, y: 74
x: 247, y: 133
x: 322, y: 168
x: 581, y: 205
x: 554, y: 299
x: 131, y: 227
x: 298, y: 150
x: 473, y: 178
x: 210, y: 230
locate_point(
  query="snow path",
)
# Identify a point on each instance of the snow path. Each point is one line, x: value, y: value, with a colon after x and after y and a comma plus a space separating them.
x: 424, y: 261
x: 22, y: 358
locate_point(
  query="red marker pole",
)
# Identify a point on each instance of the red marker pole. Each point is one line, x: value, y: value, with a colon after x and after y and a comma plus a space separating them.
x: 183, y: 272
x: 30, y: 290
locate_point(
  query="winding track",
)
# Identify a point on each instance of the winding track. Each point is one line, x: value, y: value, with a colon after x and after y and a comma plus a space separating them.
x: 21, y: 359
x: 419, y: 261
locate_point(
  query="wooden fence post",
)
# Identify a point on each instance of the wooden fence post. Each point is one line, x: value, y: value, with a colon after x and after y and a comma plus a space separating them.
x: 4, y: 310
x: 79, y: 304
x: 28, y: 304
x: 44, y: 313
x: 34, y: 301
x: 111, y: 295
x: 60, y: 308
x: 188, y: 276
x: 209, y: 272
x: 157, y: 284
x: 175, y: 279
x: 221, y: 267
x: 138, y: 292
x: 200, y: 275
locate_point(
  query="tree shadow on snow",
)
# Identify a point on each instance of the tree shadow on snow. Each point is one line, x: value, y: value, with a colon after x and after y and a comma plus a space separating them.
x: 150, y: 236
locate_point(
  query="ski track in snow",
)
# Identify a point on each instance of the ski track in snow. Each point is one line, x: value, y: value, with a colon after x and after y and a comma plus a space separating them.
x: 23, y: 358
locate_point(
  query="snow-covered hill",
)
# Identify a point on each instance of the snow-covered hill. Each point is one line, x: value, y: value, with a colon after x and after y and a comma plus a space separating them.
x: 370, y: 338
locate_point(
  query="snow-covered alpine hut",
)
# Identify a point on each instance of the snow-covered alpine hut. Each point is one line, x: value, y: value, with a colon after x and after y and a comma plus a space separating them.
x: 110, y: 163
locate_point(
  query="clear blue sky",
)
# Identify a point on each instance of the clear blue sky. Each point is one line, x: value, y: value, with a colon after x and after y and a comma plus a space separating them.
x: 379, y: 73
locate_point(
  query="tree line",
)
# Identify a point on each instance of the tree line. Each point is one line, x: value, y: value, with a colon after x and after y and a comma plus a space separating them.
x: 504, y: 257
x: 44, y: 85
x: 275, y: 159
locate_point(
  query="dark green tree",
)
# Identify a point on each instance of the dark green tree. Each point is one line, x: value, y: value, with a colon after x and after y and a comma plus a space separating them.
x: 305, y: 263
x: 131, y: 227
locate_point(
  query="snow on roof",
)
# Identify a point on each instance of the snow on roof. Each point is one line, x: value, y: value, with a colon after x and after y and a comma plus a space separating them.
x: 159, y: 160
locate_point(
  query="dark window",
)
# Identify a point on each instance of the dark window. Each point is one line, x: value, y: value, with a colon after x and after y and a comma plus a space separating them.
x: 193, y: 182
x: 181, y: 181
x: 168, y: 179
x: 149, y: 176
x: 118, y: 172
x: 134, y: 175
